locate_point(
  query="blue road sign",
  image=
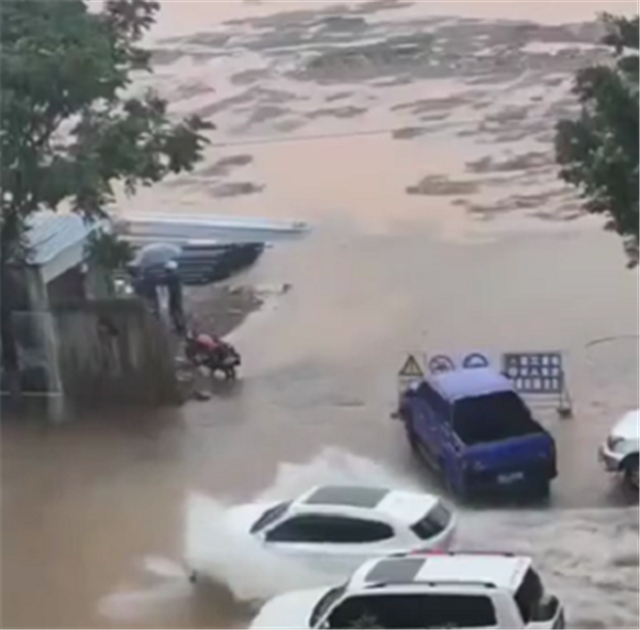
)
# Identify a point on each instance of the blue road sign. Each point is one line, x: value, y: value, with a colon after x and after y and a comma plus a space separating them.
x: 441, y: 363
x: 475, y: 360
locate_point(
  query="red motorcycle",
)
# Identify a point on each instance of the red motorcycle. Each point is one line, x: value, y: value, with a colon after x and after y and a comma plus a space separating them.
x: 209, y: 351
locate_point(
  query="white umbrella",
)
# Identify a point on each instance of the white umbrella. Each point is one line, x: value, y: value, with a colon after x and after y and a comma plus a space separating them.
x: 157, y: 255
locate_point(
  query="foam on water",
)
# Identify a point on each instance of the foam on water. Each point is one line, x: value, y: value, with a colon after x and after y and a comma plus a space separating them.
x: 588, y: 557
x: 333, y: 466
x: 132, y: 605
x: 163, y: 567
x: 218, y: 549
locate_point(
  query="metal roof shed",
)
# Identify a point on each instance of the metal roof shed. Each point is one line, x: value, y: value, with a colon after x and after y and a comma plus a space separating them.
x: 57, y: 242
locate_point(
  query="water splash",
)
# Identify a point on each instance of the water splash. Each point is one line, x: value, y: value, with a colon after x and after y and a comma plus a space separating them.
x: 217, y: 547
x: 589, y: 558
x: 164, y: 568
x: 220, y: 551
x: 333, y: 466
x: 134, y: 605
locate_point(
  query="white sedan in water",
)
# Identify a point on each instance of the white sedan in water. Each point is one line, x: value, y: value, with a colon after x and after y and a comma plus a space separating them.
x: 335, y: 528
x: 619, y: 453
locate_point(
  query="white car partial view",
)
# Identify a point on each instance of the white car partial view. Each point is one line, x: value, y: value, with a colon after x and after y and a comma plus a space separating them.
x: 619, y: 453
x: 424, y: 590
x: 335, y: 528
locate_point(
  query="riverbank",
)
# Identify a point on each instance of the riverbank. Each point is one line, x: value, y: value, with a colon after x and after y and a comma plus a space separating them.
x: 220, y: 308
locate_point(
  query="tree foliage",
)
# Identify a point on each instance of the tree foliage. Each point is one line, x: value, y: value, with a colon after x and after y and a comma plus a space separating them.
x: 108, y: 252
x: 70, y: 128
x: 598, y: 151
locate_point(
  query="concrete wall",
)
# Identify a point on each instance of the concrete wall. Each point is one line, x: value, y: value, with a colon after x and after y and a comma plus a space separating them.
x: 69, y: 286
x: 114, y: 352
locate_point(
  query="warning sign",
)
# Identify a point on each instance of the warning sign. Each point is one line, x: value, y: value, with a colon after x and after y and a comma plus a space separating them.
x: 411, y: 368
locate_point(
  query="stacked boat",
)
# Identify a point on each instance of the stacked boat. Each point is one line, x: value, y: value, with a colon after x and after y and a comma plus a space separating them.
x: 206, y: 249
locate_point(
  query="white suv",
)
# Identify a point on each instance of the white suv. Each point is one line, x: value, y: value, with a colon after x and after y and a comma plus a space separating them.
x: 619, y: 453
x: 444, y: 590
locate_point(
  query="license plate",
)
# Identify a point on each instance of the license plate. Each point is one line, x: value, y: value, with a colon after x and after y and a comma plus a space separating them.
x: 510, y: 477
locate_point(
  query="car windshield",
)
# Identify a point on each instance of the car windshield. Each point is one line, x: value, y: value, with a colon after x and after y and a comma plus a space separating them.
x: 269, y: 516
x: 326, y: 601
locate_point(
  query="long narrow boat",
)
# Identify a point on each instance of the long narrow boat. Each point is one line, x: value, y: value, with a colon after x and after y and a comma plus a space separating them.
x: 168, y: 228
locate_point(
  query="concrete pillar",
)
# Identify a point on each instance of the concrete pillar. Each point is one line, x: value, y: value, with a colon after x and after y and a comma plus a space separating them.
x: 44, y: 323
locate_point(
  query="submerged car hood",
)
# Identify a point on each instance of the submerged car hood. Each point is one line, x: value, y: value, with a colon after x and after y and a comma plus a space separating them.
x: 292, y: 610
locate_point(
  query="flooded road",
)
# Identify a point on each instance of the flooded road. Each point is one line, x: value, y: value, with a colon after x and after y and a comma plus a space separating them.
x: 439, y: 225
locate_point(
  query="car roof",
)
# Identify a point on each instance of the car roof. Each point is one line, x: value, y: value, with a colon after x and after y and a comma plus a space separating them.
x: 470, y: 383
x: 367, y: 502
x: 493, y: 570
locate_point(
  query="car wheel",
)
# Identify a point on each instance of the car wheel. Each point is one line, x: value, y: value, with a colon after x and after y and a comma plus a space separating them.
x: 461, y: 494
x: 411, y: 435
x: 631, y: 471
x: 543, y: 491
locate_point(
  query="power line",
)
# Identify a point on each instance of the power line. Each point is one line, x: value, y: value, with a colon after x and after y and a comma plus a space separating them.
x: 305, y: 138
x: 367, y: 132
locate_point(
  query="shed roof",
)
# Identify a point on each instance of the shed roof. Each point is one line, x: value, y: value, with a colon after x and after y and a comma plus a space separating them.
x: 50, y: 234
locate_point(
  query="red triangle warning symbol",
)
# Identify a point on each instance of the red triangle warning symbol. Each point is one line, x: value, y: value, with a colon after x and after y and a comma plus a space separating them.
x: 411, y: 368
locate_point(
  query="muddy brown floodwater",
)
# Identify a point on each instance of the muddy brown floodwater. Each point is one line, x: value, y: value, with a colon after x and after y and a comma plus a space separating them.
x: 417, y: 140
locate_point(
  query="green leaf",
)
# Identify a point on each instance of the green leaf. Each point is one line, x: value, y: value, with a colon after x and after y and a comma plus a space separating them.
x: 66, y: 132
x: 598, y: 151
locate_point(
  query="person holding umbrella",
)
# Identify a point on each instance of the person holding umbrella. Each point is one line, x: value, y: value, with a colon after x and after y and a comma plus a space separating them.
x: 156, y: 265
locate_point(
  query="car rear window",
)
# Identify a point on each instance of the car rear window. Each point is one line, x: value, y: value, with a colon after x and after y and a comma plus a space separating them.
x: 269, y: 516
x: 493, y: 417
x: 419, y: 611
x: 433, y: 523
